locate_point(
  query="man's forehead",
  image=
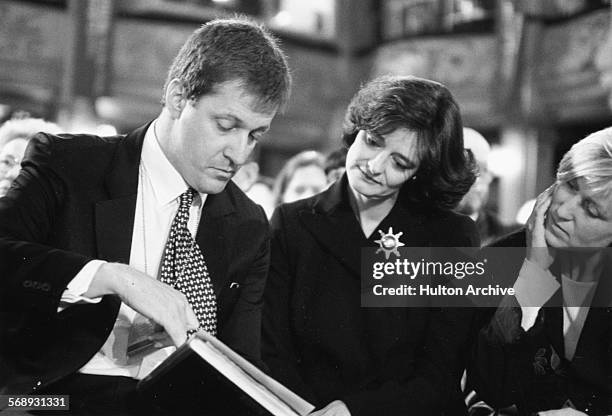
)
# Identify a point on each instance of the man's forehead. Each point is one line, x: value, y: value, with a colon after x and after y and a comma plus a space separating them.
x: 240, y: 103
x: 250, y: 117
x: 248, y: 94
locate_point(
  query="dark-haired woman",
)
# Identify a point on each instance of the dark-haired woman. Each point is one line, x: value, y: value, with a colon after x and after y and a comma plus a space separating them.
x: 405, y: 169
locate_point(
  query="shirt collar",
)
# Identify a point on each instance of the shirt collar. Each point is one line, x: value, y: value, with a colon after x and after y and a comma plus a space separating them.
x: 168, y: 184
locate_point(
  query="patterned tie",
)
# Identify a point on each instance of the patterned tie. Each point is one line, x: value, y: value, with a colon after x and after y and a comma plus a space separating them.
x: 183, y: 267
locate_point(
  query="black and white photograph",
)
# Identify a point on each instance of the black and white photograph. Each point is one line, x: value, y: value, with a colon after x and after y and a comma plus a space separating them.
x: 306, y: 207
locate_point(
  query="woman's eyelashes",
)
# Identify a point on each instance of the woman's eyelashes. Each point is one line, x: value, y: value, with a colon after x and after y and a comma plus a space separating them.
x: 398, y: 162
x: 373, y: 140
x: 402, y: 164
x: 590, y: 208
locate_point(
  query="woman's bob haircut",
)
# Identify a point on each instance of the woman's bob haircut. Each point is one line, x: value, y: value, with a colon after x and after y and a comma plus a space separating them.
x: 446, y: 171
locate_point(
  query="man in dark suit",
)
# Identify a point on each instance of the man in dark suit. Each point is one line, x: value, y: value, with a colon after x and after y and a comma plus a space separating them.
x: 86, y: 229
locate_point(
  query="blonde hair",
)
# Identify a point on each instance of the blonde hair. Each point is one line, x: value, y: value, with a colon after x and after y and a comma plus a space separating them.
x: 591, y: 160
x: 24, y: 128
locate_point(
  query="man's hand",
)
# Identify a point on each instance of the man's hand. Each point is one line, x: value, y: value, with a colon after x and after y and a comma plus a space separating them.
x: 562, y: 412
x: 538, y: 251
x: 156, y: 300
x: 335, y: 408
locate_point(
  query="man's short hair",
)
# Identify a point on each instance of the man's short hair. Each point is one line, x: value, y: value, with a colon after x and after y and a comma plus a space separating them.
x: 591, y: 160
x: 233, y: 49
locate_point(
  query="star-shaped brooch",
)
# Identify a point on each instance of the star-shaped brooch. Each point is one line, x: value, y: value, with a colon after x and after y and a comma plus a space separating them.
x: 389, y: 243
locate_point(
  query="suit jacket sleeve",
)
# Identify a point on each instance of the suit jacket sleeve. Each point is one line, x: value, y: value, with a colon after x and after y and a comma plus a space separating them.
x: 499, y: 355
x: 278, y: 349
x: 33, y: 274
x: 437, y: 371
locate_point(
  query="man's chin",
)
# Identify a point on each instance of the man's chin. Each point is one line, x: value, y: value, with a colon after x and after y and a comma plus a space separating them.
x: 212, y: 187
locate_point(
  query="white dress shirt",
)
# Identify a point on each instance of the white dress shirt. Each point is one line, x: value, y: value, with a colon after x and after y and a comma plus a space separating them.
x: 157, y: 202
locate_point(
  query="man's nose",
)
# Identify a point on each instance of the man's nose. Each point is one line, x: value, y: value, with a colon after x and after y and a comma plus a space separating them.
x: 238, y: 149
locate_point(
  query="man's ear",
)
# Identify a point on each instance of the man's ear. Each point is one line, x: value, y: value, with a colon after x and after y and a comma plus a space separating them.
x: 175, y: 98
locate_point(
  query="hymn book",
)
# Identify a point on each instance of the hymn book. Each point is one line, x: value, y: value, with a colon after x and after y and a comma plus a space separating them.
x: 209, y: 371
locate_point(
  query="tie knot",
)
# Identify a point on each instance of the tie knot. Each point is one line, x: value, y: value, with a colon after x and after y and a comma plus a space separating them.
x: 186, y: 199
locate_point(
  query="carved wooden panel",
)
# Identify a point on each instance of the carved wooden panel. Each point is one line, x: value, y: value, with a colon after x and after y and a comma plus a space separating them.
x: 567, y: 78
x: 465, y: 64
x: 143, y: 51
x: 32, y: 42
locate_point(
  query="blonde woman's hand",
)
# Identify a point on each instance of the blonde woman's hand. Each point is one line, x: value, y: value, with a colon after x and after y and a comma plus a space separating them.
x: 538, y: 251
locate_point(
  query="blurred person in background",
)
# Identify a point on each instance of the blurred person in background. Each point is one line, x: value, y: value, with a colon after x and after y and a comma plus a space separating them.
x: 14, y: 136
x: 302, y: 176
x: 406, y: 170
x: 255, y: 186
x: 474, y: 203
x: 262, y: 194
x: 548, y: 348
x: 335, y: 164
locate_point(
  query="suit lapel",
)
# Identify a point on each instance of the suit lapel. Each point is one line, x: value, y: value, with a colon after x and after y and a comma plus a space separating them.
x: 212, y: 236
x: 334, y: 226
x: 603, y: 292
x: 553, y: 322
x: 339, y: 235
x: 594, y: 331
x: 115, y: 216
x: 597, y: 324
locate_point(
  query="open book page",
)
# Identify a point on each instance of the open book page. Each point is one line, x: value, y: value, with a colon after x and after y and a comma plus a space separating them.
x: 299, y: 405
x: 250, y: 385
